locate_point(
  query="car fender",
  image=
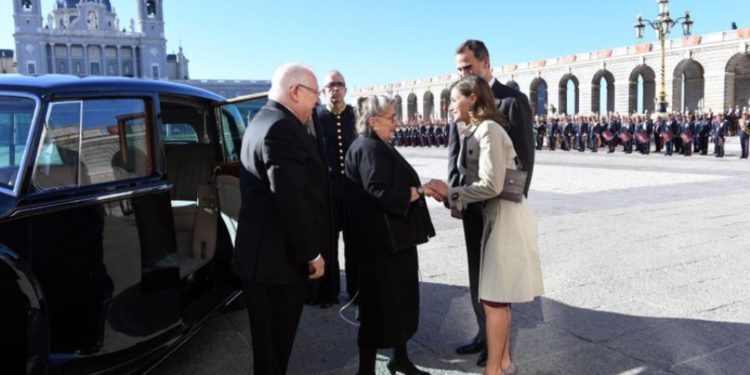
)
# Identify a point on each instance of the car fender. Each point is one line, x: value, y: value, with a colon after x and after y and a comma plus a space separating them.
x: 24, y: 342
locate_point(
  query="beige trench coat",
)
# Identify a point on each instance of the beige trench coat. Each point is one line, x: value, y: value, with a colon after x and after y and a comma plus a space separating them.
x: 510, y: 270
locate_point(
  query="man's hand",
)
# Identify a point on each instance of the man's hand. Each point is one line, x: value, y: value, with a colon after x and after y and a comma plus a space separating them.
x: 439, y: 187
x: 317, y: 268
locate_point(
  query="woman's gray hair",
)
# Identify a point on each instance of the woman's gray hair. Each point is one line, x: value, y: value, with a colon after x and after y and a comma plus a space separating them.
x: 368, y: 107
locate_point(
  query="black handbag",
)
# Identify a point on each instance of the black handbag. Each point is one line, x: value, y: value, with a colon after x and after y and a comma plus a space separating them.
x: 515, y: 182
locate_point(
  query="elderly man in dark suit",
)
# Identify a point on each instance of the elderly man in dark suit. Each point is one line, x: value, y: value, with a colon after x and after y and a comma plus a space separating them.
x: 283, y: 225
x: 473, y: 58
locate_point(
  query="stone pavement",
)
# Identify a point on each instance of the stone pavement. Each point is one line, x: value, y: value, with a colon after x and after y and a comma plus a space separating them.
x: 645, y: 262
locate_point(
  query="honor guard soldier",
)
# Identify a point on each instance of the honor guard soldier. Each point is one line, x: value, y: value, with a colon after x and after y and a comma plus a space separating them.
x: 582, y: 130
x: 595, y: 134
x: 687, y: 134
x: 627, y: 131
x: 719, y: 133
x: 643, y: 136
x: 554, y: 133
x: 541, y: 131
x: 658, y: 141
x: 744, y: 134
x: 704, y: 130
x: 567, y: 134
x: 675, y: 125
x: 337, y: 121
x: 613, y: 129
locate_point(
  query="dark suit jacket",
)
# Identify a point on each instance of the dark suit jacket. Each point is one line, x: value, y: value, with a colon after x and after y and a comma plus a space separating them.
x: 284, y: 219
x: 378, y: 185
x: 515, y: 106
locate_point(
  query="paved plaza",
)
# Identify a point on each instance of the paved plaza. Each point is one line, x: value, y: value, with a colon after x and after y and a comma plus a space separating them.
x: 645, y: 261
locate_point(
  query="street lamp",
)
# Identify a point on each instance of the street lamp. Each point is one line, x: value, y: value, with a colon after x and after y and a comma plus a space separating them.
x: 663, y: 26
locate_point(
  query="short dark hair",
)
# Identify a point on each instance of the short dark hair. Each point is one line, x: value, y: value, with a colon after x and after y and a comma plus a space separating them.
x: 476, y: 46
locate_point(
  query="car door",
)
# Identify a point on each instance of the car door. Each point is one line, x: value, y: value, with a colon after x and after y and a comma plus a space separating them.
x: 101, y: 244
x: 234, y: 116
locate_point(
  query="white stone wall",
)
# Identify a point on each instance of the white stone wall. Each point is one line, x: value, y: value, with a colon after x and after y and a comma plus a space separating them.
x: 712, y: 51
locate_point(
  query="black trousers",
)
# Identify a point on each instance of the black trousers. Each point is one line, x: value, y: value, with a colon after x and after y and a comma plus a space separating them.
x: 473, y: 221
x: 274, y: 312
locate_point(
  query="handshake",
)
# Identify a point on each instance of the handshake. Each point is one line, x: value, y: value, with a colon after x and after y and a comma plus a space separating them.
x: 436, y: 189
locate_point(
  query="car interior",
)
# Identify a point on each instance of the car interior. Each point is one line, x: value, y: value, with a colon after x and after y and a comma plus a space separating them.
x: 191, y: 156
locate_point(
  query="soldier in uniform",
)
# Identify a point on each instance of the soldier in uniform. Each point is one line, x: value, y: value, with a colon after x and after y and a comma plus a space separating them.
x: 719, y: 133
x: 582, y: 130
x: 614, y: 127
x: 675, y: 126
x: 554, y: 133
x: 658, y: 141
x: 627, y: 130
x: 687, y: 133
x: 704, y: 129
x: 744, y: 134
x: 337, y: 121
x: 595, y: 134
x: 541, y: 131
x: 644, y: 133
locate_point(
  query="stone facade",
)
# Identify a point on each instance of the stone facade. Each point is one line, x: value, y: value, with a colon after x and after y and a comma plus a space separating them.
x: 702, y: 72
x: 86, y: 38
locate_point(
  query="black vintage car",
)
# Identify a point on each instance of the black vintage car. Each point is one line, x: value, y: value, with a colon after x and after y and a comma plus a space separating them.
x: 118, y: 206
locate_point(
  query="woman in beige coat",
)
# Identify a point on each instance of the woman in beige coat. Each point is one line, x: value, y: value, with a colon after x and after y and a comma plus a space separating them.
x: 510, y: 271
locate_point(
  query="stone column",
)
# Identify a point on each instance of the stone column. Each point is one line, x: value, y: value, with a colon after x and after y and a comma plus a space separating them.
x: 53, y: 60
x: 70, y: 59
x: 134, y: 68
x: 119, y: 60
x: 622, y: 92
x: 714, y: 90
x: 103, y: 60
x: 584, y: 97
x: 86, y: 71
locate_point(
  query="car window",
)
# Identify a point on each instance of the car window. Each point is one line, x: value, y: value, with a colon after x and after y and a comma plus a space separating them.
x: 114, y: 142
x: 179, y: 133
x: 94, y: 141
x: 57, y: 162
x: 15, y: 121
x: 234, y: 119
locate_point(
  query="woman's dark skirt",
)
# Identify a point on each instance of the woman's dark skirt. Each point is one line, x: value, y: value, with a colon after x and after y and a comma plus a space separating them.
x: 389, y: 299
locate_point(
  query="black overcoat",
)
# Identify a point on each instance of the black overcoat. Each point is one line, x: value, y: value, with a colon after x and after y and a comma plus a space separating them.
x: 387, y: 227
x: 284, y: 219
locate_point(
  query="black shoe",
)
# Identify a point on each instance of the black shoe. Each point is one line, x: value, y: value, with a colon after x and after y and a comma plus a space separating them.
x: 482, y: 358
x: 407, y: 368
x: 472, y: 346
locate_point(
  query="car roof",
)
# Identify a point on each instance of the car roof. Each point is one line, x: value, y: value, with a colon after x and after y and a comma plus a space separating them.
x: 57, y: 84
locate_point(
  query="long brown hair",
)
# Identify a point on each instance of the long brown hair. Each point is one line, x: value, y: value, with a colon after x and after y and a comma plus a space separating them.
x: 484, y: 107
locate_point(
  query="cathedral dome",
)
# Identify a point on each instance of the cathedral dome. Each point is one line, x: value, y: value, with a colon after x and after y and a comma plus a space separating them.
x: 72, y: 3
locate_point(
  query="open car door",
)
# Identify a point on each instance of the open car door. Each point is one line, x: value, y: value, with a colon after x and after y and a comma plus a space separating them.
x: 234, y: 115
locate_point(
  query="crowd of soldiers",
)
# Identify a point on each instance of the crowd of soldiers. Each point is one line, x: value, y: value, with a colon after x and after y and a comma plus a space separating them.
x: 681, y: 133
x: 422, y: 133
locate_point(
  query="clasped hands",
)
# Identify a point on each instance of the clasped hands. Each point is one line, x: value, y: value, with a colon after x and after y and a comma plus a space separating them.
x: 436, y: 189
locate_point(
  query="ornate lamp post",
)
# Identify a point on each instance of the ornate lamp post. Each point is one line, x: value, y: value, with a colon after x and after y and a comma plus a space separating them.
x: 663, y: 26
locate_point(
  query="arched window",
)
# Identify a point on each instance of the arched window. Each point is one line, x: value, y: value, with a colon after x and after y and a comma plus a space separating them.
x: 151, y: 8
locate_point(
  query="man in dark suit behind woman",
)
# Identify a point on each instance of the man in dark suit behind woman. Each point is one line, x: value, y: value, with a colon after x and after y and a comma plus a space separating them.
x: 473, y: 58
x: 283, y: 225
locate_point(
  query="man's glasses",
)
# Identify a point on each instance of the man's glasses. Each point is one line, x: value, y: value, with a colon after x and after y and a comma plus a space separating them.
x: 340, y: 85
x: 316, y: 92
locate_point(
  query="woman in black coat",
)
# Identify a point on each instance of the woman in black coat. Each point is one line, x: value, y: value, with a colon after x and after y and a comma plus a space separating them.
x: 390, y: 218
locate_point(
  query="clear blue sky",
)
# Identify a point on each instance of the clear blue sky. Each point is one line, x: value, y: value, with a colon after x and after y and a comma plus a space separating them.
x: 387, y: 41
